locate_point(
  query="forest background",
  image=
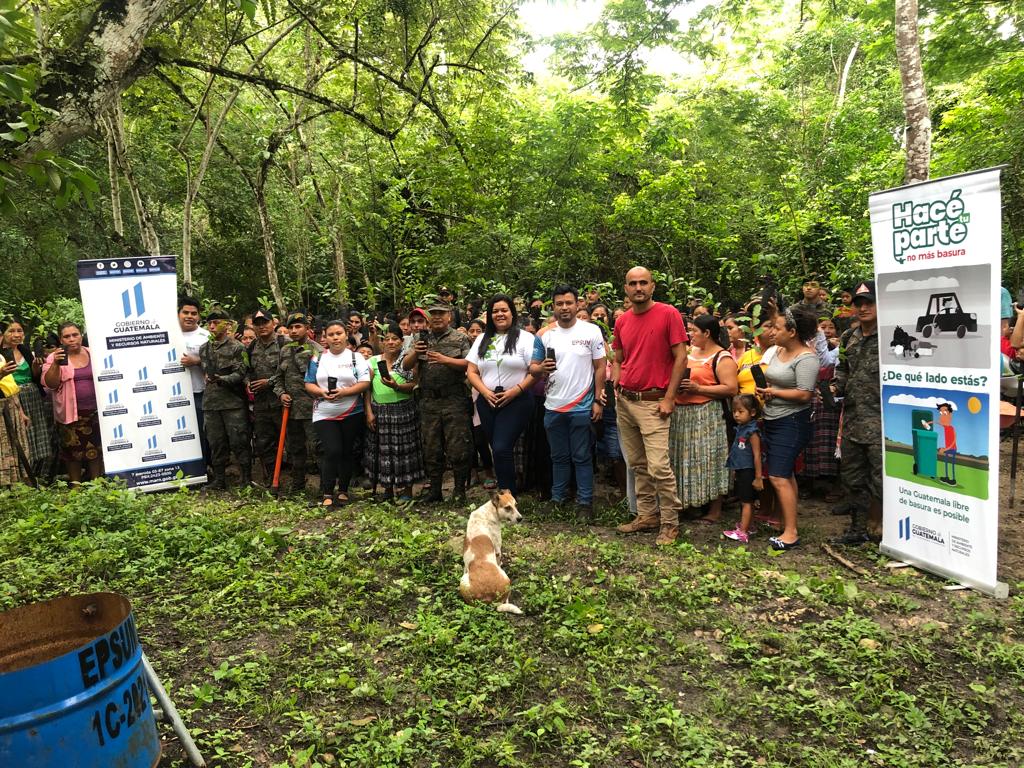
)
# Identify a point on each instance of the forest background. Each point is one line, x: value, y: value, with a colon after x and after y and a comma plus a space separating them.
x: 297, y: 153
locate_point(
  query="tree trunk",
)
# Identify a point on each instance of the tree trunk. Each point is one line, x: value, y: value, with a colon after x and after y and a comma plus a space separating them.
x: 268, y: 246
x: 212, y: 132
x: 115, y: 185
x: 147, y: 232
x: 915, y: 97
x: 846, y: 76
x: 338, y: 243
x: 113, y: 45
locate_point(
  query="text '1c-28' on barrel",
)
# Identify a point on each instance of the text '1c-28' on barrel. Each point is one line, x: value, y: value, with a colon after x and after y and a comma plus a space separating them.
x: 73, y: 692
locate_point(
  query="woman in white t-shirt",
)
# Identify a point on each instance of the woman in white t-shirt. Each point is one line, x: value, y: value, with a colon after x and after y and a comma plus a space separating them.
x: 499, y: 369
x: 337, y: 380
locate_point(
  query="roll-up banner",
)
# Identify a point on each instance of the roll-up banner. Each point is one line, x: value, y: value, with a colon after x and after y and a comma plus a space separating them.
x: 937, y: 249
x: 143, y: 393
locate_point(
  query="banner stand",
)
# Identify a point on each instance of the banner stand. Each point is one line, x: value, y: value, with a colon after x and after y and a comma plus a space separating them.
x: 1000, y: 590
x: 147, y: 415
x: 938, y: 268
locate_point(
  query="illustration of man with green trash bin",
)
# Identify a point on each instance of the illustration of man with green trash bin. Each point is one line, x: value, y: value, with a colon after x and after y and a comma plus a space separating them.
x: 948, y: 450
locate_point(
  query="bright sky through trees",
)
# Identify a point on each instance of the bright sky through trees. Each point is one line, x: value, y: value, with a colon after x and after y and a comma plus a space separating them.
x: 543, y: 18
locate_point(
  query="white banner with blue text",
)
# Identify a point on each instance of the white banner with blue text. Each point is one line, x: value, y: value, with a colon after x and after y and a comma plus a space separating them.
x: 938, y: 265
x: 147, y: 414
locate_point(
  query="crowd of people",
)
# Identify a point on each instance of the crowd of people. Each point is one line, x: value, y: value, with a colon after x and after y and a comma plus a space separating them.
x: 685, y: 408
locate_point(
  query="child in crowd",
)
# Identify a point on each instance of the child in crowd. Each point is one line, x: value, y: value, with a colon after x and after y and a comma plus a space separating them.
x: 745, y: 460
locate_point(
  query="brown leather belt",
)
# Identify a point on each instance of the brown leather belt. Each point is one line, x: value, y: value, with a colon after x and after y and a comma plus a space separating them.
x: 643, y: 395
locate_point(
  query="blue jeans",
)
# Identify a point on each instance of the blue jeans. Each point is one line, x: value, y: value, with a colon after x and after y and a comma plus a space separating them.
x: 503, y: 426
x: 569, y: 436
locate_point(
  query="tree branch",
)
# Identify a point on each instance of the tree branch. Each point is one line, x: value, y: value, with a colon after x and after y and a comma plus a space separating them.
x: 276, y: 85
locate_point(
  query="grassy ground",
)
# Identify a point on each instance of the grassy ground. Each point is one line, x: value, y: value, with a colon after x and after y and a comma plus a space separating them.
x: 291, y: 639
x: 970, y: 480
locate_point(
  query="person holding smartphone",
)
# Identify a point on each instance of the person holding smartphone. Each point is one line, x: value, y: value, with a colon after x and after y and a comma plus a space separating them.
x: 27, y: 372
x: 394, y: 453
x: 574, y: 398
x: 698, y: 443
x: 499, y: 370
x: 337, y: 379
x: 791, y: 379
x: 67, y: 374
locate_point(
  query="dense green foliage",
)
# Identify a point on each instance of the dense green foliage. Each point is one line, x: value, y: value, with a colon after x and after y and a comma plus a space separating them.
x: 291, y: 640
x: 406, y: 138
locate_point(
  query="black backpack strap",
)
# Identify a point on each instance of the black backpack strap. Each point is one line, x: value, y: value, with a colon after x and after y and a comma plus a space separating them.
x: 726, y: 410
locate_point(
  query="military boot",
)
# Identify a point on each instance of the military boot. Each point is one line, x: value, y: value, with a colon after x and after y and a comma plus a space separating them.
x: 268, y: 475
x: 298, y: 482
x: 856, y: 534
x: 434, y: 496
x: 218, y: 483
x: 459, y: 492
x: 245, y: 472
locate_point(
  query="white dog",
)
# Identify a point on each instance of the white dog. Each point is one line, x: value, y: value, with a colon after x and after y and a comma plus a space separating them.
x: 483, y: 579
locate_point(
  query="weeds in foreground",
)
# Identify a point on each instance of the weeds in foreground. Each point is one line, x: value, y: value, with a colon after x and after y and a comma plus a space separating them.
x: 292, y: 640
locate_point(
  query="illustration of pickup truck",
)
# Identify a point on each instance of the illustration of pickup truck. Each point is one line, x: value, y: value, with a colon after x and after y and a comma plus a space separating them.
x: 946, y: 314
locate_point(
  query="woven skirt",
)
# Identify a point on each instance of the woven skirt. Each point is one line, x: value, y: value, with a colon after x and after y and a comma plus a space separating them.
x: 10, y: 468
x: 698, y: 449
x: 820, y: 454
x: 394, y: 452
x: 80, y: 440
x: 40, y: 429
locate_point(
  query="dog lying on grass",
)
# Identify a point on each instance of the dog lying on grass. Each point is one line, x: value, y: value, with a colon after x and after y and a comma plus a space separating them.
x: 483, y: 579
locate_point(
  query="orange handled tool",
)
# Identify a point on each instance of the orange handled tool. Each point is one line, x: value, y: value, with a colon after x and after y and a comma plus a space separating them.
x: 275, y: 486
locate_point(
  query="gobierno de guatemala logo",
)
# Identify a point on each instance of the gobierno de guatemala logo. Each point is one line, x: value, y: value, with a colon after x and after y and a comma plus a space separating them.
x: 929, y: 224
x: 133, y: 303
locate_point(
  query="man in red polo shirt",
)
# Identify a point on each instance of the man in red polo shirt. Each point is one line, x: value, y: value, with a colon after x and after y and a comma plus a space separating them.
x: 650, y: 356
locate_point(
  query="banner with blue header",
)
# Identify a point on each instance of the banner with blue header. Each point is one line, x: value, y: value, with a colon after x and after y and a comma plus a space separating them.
x: 147, y: 414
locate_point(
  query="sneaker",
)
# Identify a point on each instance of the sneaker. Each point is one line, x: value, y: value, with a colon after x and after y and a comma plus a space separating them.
x: 667, y: 535
x: 638, y: 524
x: 737, y: 535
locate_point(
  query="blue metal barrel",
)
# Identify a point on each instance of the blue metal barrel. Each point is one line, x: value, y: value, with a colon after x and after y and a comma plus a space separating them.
x: 73, y: 693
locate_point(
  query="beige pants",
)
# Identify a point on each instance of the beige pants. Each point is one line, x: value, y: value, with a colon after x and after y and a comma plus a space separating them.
x: 644, y: 438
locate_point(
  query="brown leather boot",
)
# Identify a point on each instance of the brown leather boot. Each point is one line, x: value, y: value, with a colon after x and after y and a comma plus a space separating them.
x: 667, y: 535
x: 638, y: 524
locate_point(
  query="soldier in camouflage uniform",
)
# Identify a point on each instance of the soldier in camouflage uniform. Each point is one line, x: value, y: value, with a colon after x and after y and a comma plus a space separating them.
x: 225, y: 409
x: 445, y: 405
x: 857, y: 379
x: 290, y: 387
x: 264, y: 362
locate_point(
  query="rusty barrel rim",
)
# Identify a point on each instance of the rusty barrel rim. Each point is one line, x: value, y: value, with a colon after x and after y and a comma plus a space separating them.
x: 73, y: 687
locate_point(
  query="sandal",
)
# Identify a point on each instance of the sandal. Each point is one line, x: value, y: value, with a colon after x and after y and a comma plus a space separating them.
x: 341, y: 499
x: 490, y: 485
x: 706, y: 521
x: 781, y: 546
x: 327, y: 503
